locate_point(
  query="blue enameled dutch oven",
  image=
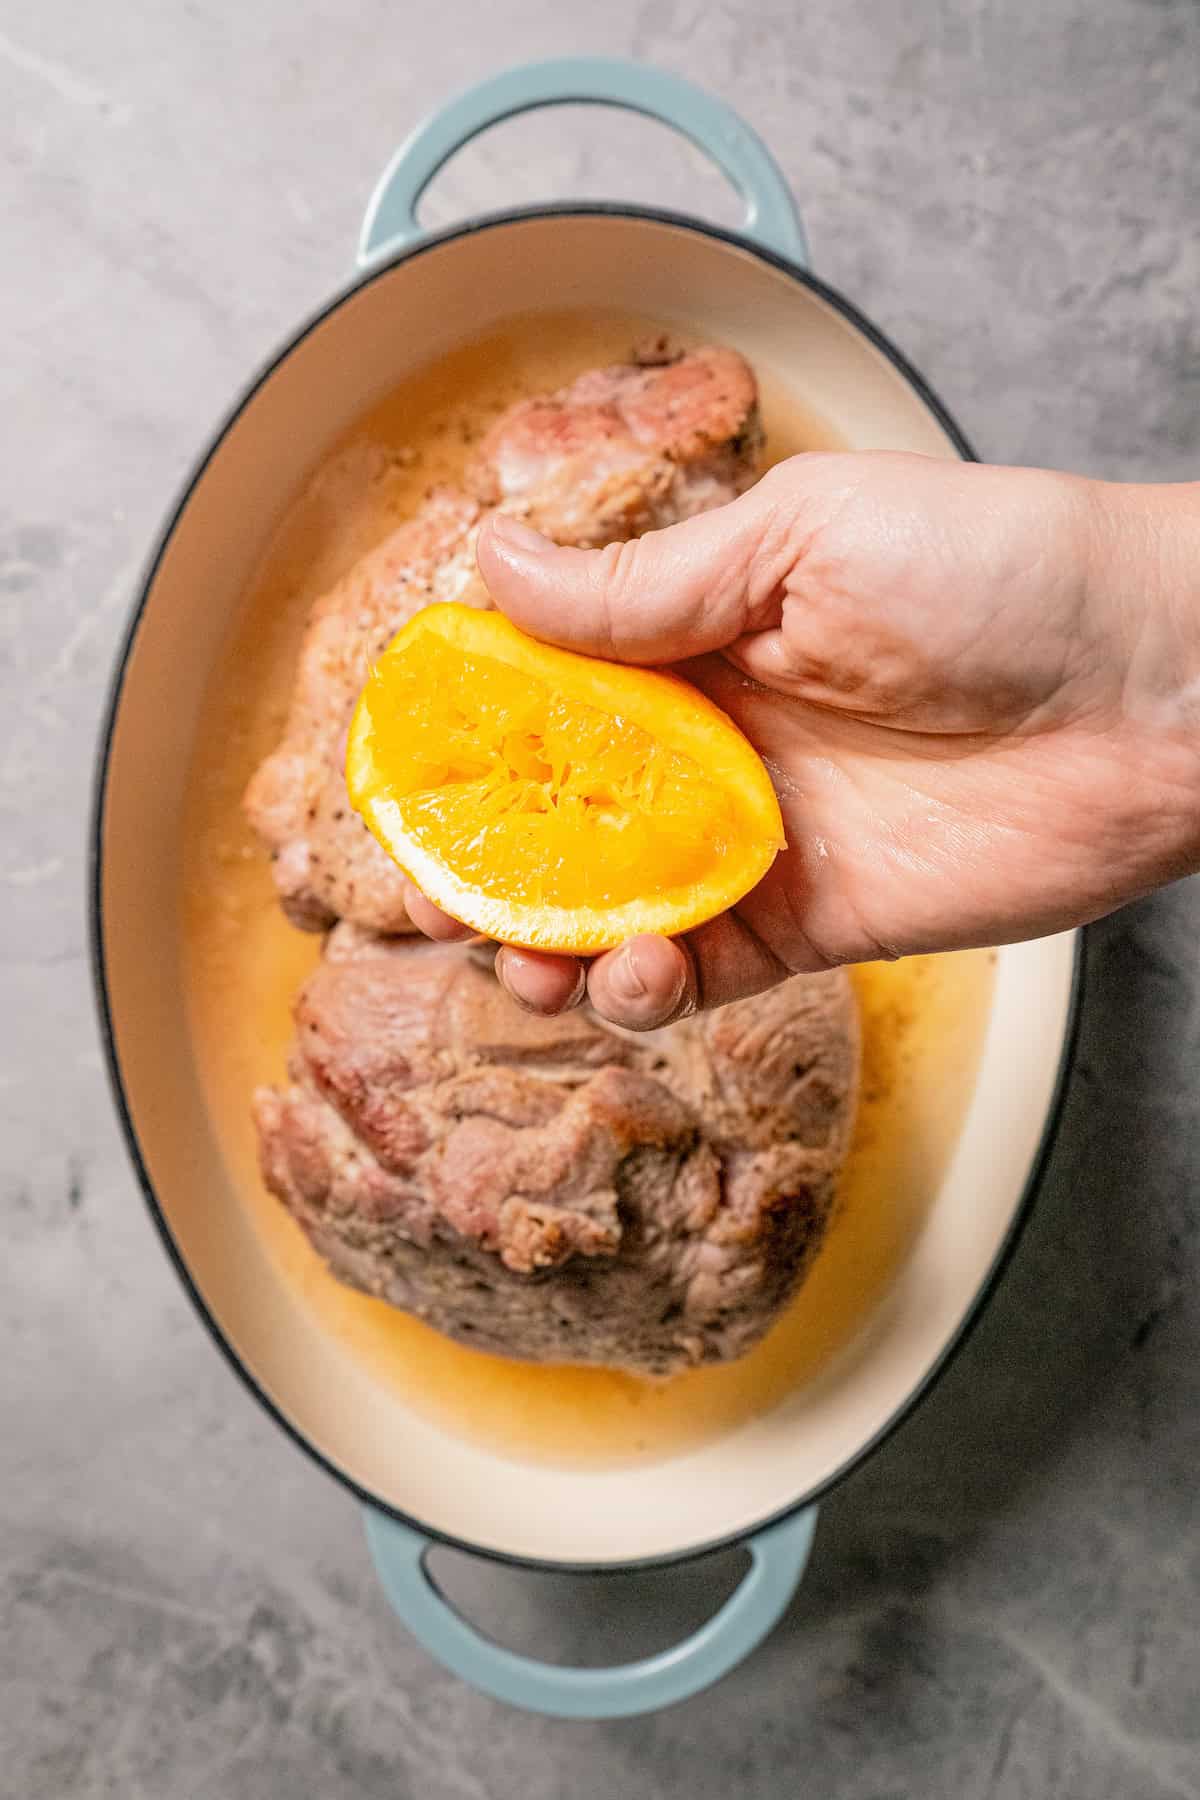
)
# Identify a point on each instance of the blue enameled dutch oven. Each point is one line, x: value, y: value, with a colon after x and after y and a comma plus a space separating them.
x: 416, y: 295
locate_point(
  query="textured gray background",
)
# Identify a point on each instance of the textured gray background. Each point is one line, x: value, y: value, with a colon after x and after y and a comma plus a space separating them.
x: 1004, y: 1603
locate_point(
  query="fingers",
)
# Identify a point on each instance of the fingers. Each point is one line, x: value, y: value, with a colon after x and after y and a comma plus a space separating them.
x: 538, y: 982
x: 431, y: 920
x: 653, y: 981
x: 646, y: 983
x: 650, y: 981
x: 675, y: 593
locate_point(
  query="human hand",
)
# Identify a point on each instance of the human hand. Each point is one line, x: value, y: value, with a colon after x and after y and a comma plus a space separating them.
x: 977, y: 690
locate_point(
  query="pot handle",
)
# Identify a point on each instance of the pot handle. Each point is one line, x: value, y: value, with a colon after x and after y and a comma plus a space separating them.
x: 771, y: 216
x: 778, y: 1556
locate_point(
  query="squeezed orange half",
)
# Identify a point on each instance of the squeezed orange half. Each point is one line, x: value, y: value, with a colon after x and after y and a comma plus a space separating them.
x: 554, y: 800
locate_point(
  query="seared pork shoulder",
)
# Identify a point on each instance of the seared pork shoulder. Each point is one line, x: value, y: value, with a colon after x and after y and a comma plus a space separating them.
x: 620, y: 451
x: 549, y: 1189
x: 554, y: 1189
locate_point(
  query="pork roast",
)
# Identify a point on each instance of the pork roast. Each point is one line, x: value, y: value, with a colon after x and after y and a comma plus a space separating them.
x: 621, y: 450
x: 555, y: 1189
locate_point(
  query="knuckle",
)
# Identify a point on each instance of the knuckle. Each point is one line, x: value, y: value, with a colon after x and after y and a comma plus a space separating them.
x: 617, y: 574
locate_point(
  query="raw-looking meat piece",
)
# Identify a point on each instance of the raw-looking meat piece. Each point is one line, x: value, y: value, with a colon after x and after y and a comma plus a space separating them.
x: 554, y: 1189
x: 620, y: 451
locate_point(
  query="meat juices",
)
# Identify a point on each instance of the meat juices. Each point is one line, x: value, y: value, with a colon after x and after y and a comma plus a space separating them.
x: 620, y: 451
x: 554, y: 1189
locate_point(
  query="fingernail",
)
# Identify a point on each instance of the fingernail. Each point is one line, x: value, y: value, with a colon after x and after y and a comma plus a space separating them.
x: 500, y: 967
x: 623, y: 976
x: 516, y: 535
x: 579, y: 991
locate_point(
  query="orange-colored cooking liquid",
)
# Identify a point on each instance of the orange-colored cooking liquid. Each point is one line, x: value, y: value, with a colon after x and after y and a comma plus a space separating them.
x: 923, y: 1019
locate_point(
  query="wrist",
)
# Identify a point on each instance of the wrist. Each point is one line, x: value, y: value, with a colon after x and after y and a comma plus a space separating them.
x: 1144, y: 583
x: 1144, y: 576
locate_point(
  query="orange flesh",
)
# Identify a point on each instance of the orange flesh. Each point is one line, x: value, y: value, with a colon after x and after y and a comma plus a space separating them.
x: 551, y: 799
x: 537, y: 797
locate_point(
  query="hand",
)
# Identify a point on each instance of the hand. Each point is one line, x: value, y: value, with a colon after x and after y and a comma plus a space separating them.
x: 976, y: 690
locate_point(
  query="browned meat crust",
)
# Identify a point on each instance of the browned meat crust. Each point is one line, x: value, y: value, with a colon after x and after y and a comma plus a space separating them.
x: 553, y: 1189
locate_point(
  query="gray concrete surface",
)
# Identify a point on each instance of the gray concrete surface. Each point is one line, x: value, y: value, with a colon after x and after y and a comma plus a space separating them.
x: 1004, y: 1603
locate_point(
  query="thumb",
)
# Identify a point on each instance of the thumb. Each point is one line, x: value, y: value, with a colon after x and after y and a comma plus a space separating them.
x: 672, y: 594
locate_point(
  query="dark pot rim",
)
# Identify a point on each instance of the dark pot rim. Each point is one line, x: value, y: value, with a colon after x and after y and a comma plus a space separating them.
x: 1023, y: 1208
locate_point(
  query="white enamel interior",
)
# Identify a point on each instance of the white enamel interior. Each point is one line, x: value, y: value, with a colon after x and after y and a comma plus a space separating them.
x: 364, y: 347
